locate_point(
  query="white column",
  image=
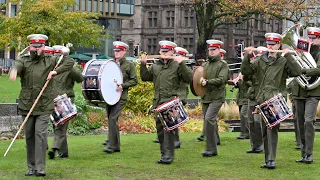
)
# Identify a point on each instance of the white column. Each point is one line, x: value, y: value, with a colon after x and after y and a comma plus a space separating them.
x: 7, y: 50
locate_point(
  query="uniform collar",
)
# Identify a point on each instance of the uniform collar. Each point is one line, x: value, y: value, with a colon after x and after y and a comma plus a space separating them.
x: 214, y: 58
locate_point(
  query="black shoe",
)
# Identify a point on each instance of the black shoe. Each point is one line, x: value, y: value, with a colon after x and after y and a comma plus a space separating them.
x: 243, y: 137
x: 31, y: 172
x: 177, y: 144
x: 298, y: 147
x: 259, y: 149
x: 200, y: 138
x: 302, y: 160
x: 264, y: 165
x: 164, y: 161
x: 271, y: 164
x: 253, y: 150
x: 309, y: 159
x: 40, y: 173
x: 218, y: 143
x: 156, y: 141
x: 63, y: 155
x: 51, y: 154
x: 208, y: 154
x: 109, y: 150
x: 105, y: 143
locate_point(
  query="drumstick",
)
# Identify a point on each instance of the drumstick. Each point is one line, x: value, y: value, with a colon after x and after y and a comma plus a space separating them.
x: 33, y: 106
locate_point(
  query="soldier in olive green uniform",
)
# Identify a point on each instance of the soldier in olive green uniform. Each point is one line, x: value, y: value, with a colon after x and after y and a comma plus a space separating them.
x: 290, y: 86
x: 306, y: 100
x: 217, y: 76
x: 166, y: 75
x: 271, y: 70
x: 34, y: 70
x: 242, y: 101
x: 254, y: 120
x: 201, y: 137
x: 63, y: 84
x: 130, y: 79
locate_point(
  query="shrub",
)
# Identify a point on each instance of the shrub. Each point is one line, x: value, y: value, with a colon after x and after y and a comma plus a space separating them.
x: 140, y: 96
x: 89, y: 117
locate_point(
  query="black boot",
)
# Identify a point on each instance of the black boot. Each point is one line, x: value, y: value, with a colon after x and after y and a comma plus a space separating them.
x: 52, y: 153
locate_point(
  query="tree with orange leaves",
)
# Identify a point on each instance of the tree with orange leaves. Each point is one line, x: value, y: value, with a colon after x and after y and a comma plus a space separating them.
x: 212, y: 14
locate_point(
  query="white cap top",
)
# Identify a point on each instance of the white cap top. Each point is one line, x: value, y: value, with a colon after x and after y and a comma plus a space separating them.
x: 119, y: 45
x: 181, y: 51
x: 167, y: 45
x: 213, y: 44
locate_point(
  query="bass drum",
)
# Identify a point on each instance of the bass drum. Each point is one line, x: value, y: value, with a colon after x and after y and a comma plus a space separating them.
x: 101, y: 78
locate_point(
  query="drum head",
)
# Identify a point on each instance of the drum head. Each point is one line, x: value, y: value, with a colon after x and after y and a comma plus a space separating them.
x: 111, y: 76
x: 196, y: 88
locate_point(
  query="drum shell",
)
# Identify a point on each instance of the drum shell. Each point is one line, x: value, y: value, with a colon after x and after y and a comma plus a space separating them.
x: 172, y: 114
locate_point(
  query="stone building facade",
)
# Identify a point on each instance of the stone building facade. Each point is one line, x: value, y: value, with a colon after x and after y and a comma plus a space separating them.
x: 156, y: 20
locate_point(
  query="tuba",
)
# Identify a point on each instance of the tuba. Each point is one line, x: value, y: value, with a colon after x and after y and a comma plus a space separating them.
x: 304, y: 59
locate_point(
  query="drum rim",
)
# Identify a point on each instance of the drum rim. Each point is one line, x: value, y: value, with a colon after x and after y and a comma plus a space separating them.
x: 100, y: 76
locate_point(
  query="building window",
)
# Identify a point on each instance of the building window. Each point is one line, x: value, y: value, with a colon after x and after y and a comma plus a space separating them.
x: 170, y: 18
x: 83, y: 5
x: 188, y: 44
x: 13, y: 10
x: 152, y: 19
x: 131, y: 22
x: 152, y: 46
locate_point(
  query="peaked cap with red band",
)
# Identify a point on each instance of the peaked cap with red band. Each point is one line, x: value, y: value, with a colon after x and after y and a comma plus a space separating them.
x: 37, y: 40
x: 261, y: 50
x: 181, y: 51
x: 273, y: 38
x: 59, y: 50
x: 222, y: 52
x: 213, y: 44
x: 313, y: 32
x: 167, y: 45
x: 48, y: 50
x: 119, y: 45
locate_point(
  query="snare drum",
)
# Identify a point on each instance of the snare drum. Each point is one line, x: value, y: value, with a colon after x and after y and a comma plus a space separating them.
x: 172, y: 114
x: 64, y: 110
x: 274, y: 110
x: 101, y: 79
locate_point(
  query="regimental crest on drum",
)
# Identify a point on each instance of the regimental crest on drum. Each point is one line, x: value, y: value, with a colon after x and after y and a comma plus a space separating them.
x: 274, y: 110
x: 91, y: 83
x: 172, y: 114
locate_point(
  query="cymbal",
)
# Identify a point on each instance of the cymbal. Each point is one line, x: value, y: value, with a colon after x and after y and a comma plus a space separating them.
x: 196, y: 88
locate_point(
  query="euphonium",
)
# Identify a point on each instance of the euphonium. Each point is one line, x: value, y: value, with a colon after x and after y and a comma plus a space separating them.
x: 304, y: 59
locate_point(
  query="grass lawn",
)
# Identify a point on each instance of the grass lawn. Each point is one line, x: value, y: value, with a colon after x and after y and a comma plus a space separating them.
x: 9, y: 90
x: 139, y: 154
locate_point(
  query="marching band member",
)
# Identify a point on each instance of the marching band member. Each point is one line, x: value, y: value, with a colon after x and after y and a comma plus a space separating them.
x: 222, y: 53
x: 271, y: 70
x: 201, y: 137
x: 254, y: 120
x: 130, y: 79
x: 166, y: 75
x: 183, y: 93
x: 34, y: 70
x: 242, y: 102
x: 217, y: 76
x: 48, y: 51
x: 306, y: 101
x: 63, y: 84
